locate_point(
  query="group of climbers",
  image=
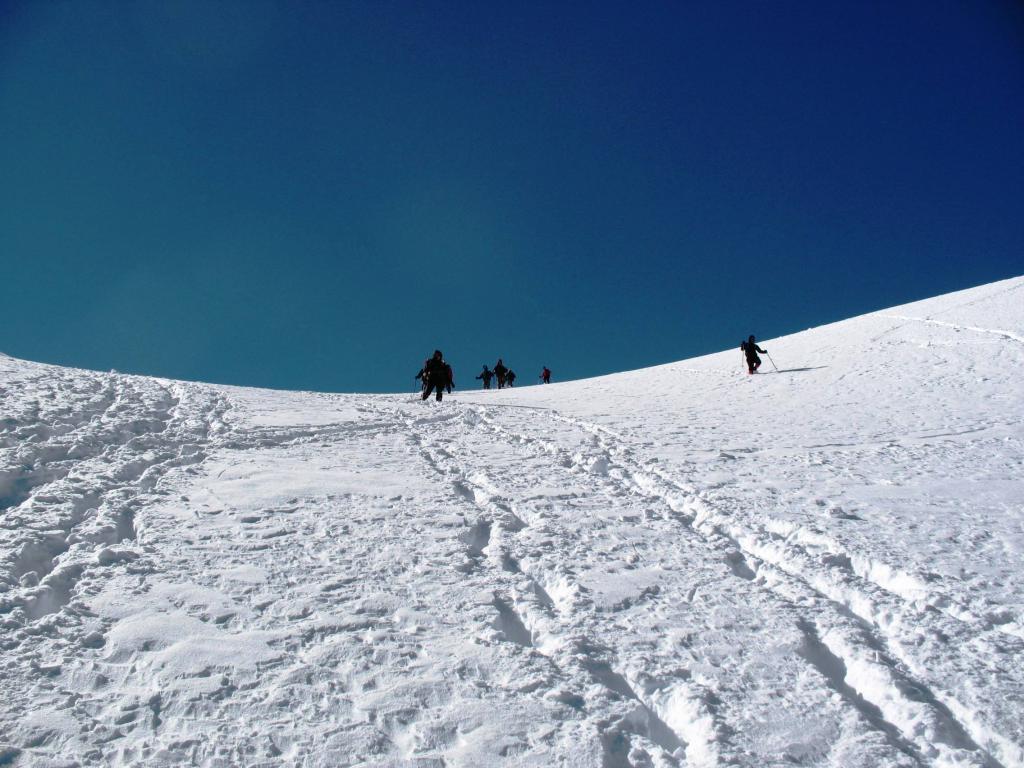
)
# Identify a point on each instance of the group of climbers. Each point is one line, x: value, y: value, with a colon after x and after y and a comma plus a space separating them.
x: 437, y: 376
x: 506, y: 376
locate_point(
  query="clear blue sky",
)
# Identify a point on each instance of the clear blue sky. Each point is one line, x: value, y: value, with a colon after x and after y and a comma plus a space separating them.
x: 316, y: 195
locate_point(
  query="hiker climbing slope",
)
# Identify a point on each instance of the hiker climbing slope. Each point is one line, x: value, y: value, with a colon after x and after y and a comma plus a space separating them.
x: 436, y: 374
x: 500, y: 370
x: 750, y: 350
x: 486, y: 375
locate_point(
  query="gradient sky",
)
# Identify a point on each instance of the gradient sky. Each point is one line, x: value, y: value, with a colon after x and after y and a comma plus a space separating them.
x: 316, y: 195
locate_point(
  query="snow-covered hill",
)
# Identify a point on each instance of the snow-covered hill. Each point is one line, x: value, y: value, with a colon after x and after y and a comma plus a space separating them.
x: 683, y: 565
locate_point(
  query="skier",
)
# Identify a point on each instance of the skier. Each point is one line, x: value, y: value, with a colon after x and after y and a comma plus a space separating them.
x: 545, y: 376
x: 500, y: 370
x: 510, y: 377
x: 486, y: 374
x: 435, y: 374
x: 750, y: 350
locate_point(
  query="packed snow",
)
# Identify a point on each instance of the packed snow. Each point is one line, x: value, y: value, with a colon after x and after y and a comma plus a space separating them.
x: 678, y: 566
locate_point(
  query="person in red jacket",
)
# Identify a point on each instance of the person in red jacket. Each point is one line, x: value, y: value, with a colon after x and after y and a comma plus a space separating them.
x: 545, y: 376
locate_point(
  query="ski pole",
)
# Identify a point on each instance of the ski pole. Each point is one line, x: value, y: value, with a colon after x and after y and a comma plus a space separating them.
x: 772, y: 361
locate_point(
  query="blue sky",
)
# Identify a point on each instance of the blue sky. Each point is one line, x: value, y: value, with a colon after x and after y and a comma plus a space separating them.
x: 316, y: 195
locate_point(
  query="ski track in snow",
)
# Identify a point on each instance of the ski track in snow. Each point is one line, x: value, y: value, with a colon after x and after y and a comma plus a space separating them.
x: 994, y: 331
x: 746, y: 557
x: 568, y: 575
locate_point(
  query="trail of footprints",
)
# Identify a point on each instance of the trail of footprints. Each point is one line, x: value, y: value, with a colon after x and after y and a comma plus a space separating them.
x: 81, y: 454
x: 562, y: 628
x: 528, y: 616
x: 853, y: 640
x: 842, y: 647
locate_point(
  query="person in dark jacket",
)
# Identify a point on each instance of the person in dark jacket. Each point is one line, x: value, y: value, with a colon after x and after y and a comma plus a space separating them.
x: 486, y: 375
x: 500, y: 370
x: 510, y: 377
x: 750, y: 350
x: 436, y: 372
x: 545, y: 375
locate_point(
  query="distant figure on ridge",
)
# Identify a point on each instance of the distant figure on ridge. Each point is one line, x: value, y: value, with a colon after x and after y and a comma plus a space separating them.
x: 545, y: 376
x: 500, y: 370
x: 486, y: 374
x: 750, y: 350
x: 437, y: 375
x: 510, y: 377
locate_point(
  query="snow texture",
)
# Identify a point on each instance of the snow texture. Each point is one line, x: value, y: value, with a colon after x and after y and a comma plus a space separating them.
x: 679, y: 566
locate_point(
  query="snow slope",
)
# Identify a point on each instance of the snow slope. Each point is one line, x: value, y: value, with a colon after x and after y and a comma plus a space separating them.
x: 683, y: 565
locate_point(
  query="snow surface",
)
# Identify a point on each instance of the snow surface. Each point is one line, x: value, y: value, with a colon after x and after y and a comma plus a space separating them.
x: 683, y: 565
